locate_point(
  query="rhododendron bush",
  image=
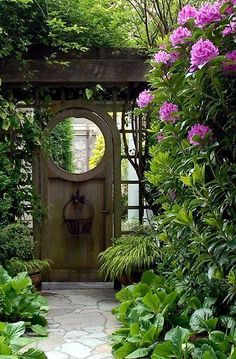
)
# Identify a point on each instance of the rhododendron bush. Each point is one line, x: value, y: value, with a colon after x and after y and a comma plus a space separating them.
x: 192, y: 101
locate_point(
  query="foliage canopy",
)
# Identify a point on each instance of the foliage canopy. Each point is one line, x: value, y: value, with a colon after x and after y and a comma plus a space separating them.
x: 62, y: 24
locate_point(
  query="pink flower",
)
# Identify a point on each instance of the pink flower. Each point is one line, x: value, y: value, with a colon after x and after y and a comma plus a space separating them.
x: 233, y: 2
x: 166, y: 58
x: 144, y: 98
x: 230, y: 67
x: 174, y: 56
x: 160, y: 137
x: 228, y: 10
x: 207, y: 14
x: 167, y: 112
x: 162, y: 57
x: 227, y: 31
x: 231, y: 55
x: 198, y: 130
x: 230, y: 29
x: 188, y: 12
x: 162, y: 47
x: 202, y: 52
x: 180, y: 35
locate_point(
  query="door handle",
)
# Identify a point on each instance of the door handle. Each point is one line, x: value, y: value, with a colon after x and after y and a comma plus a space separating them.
x: 106, y: 211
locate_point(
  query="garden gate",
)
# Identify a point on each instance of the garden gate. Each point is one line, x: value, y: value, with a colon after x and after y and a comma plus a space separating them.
x: 73, y: 243
x: 121, y: 74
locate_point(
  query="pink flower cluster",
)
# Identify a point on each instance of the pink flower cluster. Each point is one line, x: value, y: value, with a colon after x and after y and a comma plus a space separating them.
x: 163, y: 57
x: 198, y: 130
x: 230, y: 29
x: 188, y: 12
x: 168, y: 112
x: 180, y: 35
x: 231, y: 55
x: 144, y: 98
x: 207, y: 14
x: 202, y: 52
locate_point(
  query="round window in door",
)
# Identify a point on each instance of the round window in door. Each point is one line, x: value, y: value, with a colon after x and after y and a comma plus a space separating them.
x: 76, y: 145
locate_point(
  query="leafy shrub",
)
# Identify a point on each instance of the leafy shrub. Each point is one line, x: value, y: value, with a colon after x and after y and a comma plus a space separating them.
x: 97, y: 152
x: 12, y: 342
x: 18, y: 302
x: 17, y: 197
x: 16, y: 265
x: 60, y: 145
x: 15, y: 241
x: 192, y: 105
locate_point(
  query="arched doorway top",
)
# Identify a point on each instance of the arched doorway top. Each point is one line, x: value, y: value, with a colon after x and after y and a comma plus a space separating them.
x: 84, y: 109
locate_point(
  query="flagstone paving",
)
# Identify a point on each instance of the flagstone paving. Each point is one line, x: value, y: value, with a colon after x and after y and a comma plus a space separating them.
x: 80, y: 322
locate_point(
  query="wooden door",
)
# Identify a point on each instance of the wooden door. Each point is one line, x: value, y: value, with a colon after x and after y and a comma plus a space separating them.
x: 76, y: 257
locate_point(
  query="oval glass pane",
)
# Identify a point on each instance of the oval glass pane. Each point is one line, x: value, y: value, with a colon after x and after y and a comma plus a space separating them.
x: 76, y: 145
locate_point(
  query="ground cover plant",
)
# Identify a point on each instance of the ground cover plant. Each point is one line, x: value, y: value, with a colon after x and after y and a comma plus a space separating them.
x: 191, y: 101
x: 20, y: 302
x: 158, y: 324
x: 12, y: 343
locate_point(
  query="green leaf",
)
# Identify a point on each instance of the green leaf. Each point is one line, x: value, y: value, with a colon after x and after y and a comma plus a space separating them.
x: 159, y: 323
x: 38, y: 329
x: 134, y: 329
x: 169, y: 300
x: 198, y: 319
x: 152, y: 302
x: 211, y: 324
x: 139, y: 353
x: 208, y: 352
x: 88, y: 93
x: 177, y: 336
x: 140, y: 290
x: 124, y: 350
x: 163, y: 351
x: 148, y: 277
x: 4, y: 349
x: 2, y: 326
x: 19, y: 343
x: 4, y: 277
x: 5, y: 124
x: 34, y: 354
x: 149, y: 336
x: 217, y: 336
x: 186, y: 180
x: 184, y: 218
x: 124, y: 294
x: 233, y: 354
x: 15, y: 330
x: 21, y: 284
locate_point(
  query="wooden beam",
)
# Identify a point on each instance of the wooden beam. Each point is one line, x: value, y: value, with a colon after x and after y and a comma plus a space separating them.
x: 110, y: 69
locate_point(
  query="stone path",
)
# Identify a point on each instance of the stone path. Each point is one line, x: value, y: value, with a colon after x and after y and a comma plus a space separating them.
x: 80, y: 322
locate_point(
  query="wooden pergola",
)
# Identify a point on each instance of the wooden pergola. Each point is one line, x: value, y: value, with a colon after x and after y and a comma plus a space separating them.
x: 120, y: 72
